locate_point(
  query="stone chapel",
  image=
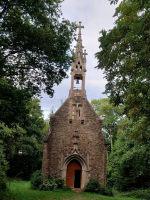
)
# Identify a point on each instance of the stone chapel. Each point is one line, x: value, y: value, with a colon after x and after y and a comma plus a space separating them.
x: 75, y: 148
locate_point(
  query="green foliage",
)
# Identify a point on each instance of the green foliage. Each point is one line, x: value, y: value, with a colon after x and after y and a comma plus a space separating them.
x: 112, y: 116
x: 93, y: 186
x: 113, y: 1
x: 3, y: 162
x: 13, y: 111
x: 52, y: 184
x: 6, y: 195
x: 36, y: 179
x: 66, y: 188
x: 2, y: 185
x: 48, y: 185
x: 28, y: 148
x: 34, y: 55
x: 59, y: 182
x: 106, y: 191
x: 21, y: 190
x: 124, y: 57
x: 22, y: 142
x: 141, y: 194
x: 34, y: 44
x: 46, y: 126
x: 13, y: 103
x: 128, y: 165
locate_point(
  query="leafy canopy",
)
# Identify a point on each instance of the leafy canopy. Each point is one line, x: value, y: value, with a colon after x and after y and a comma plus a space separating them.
x: 128, y: 164
x: 124, y: 57
x: 34, y: 44
x: 27, y: 147
x: 112, y: 116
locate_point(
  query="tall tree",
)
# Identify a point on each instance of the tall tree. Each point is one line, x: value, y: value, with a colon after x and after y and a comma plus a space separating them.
x: 128, y: 165
x: 124, y: 57
x: 34, y: 44
x: 28, y: 149
x: 13, y: 103
x: 112, y: 116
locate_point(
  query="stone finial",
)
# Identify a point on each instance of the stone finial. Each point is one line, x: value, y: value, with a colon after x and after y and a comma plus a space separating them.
x: 85, y: 54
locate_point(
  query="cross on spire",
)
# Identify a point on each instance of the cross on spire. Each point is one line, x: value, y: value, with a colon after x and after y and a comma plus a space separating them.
x: 80, y: 27
x: 79, y: 47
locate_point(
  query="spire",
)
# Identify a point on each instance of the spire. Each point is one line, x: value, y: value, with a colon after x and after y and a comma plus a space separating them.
x: 78, y: 69
x: 79, y: 47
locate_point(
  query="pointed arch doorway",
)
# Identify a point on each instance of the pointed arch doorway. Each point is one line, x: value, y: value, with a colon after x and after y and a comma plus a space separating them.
x: 73, y: 178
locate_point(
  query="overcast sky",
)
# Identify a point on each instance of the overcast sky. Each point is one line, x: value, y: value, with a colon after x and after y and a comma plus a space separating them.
x: 95, y: 15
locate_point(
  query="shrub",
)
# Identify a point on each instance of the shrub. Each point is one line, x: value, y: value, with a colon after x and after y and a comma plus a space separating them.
x: 48, y: 185
x: 52, y: 184
x: 106, y: 191
x: 59, y: 182
x: 2, y: 185
x: 141, y: 194
x: 93, y: 186
x: 5, y: 193
x: 36, y: 179
x: 66, y: 188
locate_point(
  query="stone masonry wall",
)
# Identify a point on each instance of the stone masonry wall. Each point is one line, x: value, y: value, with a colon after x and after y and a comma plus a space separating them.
x: 84, y: 137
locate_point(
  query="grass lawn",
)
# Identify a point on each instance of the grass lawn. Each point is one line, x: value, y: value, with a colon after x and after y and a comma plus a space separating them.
x: 21, y: 191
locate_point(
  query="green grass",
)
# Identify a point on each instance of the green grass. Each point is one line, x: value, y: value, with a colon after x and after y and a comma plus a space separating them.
x: 20, y: 190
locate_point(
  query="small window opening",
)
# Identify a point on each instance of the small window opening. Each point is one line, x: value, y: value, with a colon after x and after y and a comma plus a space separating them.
x: 70, y: 121
x: 82, y: 121
x: 76, y: 67
x: 79, y: 63
x: 80, y: 67
x: 79, y: 112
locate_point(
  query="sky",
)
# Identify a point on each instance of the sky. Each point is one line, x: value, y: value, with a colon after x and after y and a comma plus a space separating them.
x: 95, y: 15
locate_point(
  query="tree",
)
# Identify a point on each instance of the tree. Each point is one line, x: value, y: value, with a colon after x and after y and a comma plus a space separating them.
x: 34, y: 44
x: 124, y: 57
x: 28, y: 149
x: 8, y: 137
x: 128, y: 165
x: 112, y: 115
x: 13, y: 103
x: 113, y: 1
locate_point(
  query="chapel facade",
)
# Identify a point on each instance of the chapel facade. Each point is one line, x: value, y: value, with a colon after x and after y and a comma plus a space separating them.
x: 75, y: 148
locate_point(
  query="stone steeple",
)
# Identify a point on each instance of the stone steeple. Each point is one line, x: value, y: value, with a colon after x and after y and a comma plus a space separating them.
x: 78, y: 69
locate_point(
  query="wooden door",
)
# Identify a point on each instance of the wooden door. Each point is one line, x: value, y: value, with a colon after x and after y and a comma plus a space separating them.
x: 72, y: 167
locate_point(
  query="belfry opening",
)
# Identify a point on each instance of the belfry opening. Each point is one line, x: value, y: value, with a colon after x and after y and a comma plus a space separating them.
x: 74, y: 170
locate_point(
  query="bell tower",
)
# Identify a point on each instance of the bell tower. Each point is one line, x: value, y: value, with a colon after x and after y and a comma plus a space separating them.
x: 78, y: 69
x: 75, y: 148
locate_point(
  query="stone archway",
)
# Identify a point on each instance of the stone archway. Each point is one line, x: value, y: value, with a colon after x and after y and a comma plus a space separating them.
x: 71, y: 160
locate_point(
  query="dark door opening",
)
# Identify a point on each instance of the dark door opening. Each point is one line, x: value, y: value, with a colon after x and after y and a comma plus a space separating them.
x: 77, y: 179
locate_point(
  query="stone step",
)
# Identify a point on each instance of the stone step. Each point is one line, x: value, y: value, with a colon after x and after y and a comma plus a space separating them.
x: 77, y: 190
